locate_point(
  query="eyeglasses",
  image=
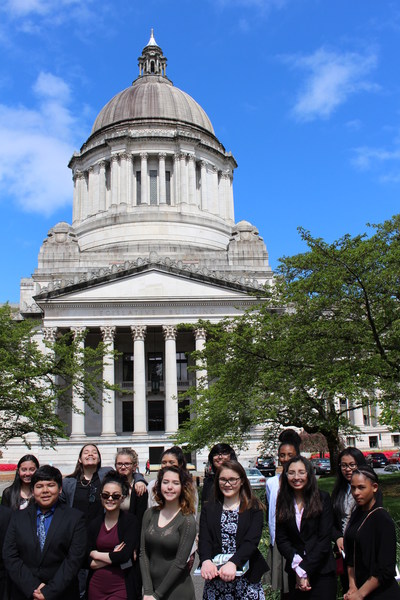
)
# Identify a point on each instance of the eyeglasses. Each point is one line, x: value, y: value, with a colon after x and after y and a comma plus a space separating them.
x: 232, y: 481
x: 126, y: 465
x: 221, y: 454
x: 114, y: 496
x: 293, y: 474
x: 351, y: 466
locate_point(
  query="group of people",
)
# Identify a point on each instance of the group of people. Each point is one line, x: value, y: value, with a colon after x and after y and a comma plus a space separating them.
x: 105, y: 534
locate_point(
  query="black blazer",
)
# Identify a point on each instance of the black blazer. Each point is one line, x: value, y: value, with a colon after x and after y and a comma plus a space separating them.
x: 248, y: 535
x: 128, y: 532
x: 138, y: 506
x: 57, y: 565
x: 5, y: 515
x: 312, y: 542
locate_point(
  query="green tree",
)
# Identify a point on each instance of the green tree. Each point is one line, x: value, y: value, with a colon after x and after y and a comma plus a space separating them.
x: 322, y: 341
x: 34, y: 382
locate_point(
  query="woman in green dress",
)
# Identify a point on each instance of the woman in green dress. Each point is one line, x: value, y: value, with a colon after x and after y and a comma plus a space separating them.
x: 168, y: 533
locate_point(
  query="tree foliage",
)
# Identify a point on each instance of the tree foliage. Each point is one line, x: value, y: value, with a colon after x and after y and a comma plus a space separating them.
x: 34, y: 383
x: 322, y: 341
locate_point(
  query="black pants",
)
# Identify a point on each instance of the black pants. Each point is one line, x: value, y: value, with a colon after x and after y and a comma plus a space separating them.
x: 323, y: 587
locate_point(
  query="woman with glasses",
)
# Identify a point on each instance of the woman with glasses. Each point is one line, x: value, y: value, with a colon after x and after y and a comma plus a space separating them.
x: 343, y: 504
x: 168, y: 533
x: 112, y: 540
x: 126, y: 464
x: 370, y: 542
x: 218, y: 454
x: 231, y: 525
x: 277, y: 577
x: 304, y: 522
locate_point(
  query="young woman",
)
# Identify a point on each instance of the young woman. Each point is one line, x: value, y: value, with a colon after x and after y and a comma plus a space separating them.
x: 303, y: 532
x: 343, y: 502
x: 168, y: 533
x: 126, y: 463
x: 370, y: 542
x: 172, y: 457
x: 218, y: 454
x: 112, y: 540
x: 232, y: 525
x: 18, y: 495
x: 277, y: 576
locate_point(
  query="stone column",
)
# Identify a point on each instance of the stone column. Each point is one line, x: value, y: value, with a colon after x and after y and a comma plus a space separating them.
x: 91, y: 191
x: 171, y: 383
x: 102, y: 186
x: 139, y: 379
x: 201, y: 375
x: 123, y: 183
x: 144, y: 178
x: 231, y: 210
x: 177, y: 179
x: 213, y: 191
x: 183, y: 179
x: 358, y: 416
x: 108, y: 415
x: 191, y: 179
x: 129, y: 181
x: 223, y: 195
x: 78, y: 418
x: 161, y: 170
x: 79, y: 196
x: 114, y: 173
x: 203, y: 185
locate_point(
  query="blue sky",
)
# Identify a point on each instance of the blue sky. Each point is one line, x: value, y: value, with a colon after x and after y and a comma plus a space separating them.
x: 305, y: 93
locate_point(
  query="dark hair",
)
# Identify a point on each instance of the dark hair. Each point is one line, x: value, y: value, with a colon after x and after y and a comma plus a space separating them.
x: 113, y: 476
x: 289, y: 437
x: 15, y: 488
x: 178, y: 453
x: 247, y: 499
x: 221, y: 449
x: 341, y: 486
x: 311, y: 496
x: 367, y: 472
x: 47, y: 473
x: 186, y: 498
x: 78, y: 471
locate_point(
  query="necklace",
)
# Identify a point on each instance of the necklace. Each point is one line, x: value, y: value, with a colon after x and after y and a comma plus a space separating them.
x: 85, y: 482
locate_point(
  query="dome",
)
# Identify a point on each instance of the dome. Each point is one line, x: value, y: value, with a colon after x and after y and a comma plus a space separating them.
x: 152, y: 96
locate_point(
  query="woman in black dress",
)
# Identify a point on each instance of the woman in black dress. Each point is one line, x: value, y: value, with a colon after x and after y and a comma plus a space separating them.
x: 18, y: 495
x: 112, y: 540
x: 231, y: 524
x: 370, y: 543
x: 303, y: 532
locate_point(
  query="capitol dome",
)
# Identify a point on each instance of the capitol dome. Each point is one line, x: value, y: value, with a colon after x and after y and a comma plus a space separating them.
x: 152, y: 96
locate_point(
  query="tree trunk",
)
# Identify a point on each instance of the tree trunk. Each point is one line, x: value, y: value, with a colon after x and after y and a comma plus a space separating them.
x: 333, y: 441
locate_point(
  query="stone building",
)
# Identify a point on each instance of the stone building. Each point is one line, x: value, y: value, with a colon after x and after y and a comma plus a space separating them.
x: 153, y: 243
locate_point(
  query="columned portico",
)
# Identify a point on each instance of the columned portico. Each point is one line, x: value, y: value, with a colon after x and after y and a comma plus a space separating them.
x: 108, y: 414
x: 78, y: 415
x: 139, y: 379
x: 171, y: 386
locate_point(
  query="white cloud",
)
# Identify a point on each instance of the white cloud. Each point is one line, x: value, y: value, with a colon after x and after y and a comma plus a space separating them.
x: 366, y: 157
x: 35, y: 147
x: 332, y: 78
x: 23, y: 8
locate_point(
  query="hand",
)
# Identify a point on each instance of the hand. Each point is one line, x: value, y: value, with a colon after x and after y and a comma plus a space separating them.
x: 302, y: 584
x: 353, y: 594
x: 119, y: 547
x: 97, y: 564
x: 148, y: 598
x: 208, y: 570
x: 140, y: 488
x: 37, y: 594
x: 228, y: 571
x: 340, y: 544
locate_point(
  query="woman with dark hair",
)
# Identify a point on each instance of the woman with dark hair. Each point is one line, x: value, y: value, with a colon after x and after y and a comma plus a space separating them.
x: 232, y: 526
x: 370, y: 542
x: 112, y: 539
x: 168, y: 533
x: 288, y: 448
x: 218, y: 454
x: 343, y: 503
x: 18, y: 495
x: 303, y: 532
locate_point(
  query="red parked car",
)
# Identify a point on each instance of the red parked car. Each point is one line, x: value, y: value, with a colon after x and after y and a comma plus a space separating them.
x: 394, y: 459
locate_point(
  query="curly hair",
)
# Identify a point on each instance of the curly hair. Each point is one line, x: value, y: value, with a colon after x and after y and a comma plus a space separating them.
x: 187, y: 495
x: 246, y: 496
x: 114, y: 477
x: 311, y: 496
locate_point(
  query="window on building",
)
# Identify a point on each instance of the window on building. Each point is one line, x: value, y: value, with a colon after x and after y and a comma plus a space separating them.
x: 127, y: 367
x: 367, y: 420
x: 155, y: 453
x: 373, y: 441
x: 155, y: 369
x: 168, y: 187
x: 155, y: 411
x: 396, y: 440
x: 184, y: 410
x: 351, y: 441
x: 182, y: 367
x: 153, y: 187
x: 127, y: 416
x: 138, y: 187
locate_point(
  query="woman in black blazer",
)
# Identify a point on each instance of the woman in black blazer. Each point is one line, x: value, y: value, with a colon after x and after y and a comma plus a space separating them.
x: 232, y: 524
x: 113, y: 539
x: 304, y: 522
